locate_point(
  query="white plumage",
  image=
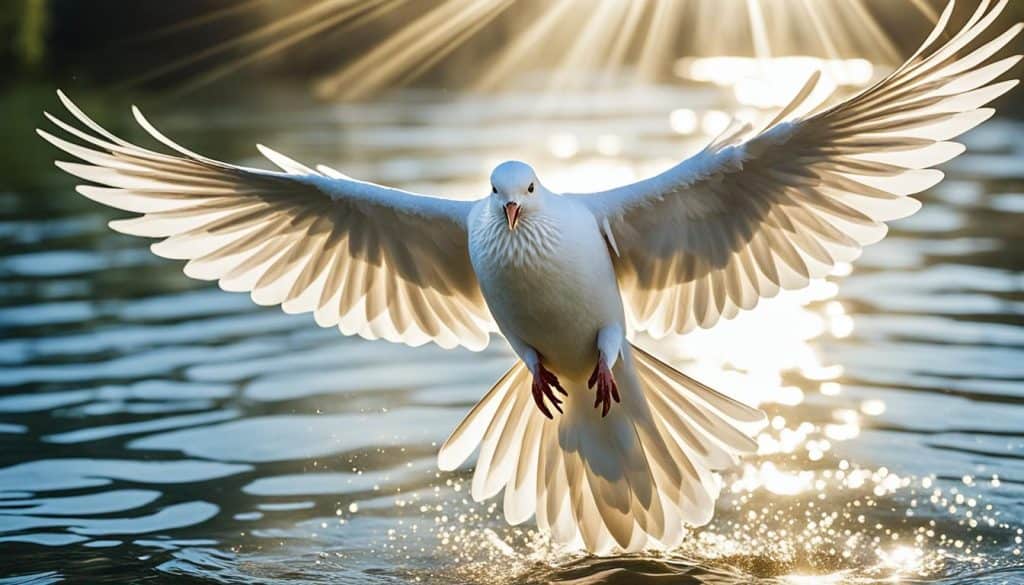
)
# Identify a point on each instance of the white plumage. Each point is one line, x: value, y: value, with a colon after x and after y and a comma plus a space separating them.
x: 567, y: 278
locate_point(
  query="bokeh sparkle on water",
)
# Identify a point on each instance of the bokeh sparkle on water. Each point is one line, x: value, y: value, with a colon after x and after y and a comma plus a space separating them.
x: 153, y: 424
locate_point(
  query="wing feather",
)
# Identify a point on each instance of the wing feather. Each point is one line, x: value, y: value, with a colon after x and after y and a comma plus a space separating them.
x: 742, y: 220
x: 374, y: 261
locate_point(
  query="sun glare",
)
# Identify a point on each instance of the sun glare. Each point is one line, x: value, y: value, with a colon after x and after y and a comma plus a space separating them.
x: 768, y: 83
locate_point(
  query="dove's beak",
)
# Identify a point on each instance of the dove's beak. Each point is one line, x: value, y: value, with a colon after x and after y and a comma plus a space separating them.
x: 512, y: 214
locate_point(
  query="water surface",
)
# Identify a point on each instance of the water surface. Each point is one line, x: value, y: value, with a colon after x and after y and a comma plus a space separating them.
x: 156, y: 428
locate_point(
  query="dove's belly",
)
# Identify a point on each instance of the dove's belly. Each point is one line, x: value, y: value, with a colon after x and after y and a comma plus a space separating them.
x: 554, y: 297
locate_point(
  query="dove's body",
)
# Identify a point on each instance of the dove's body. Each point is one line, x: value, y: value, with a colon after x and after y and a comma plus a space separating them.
x: 567, y: 277
x: 549, y: 283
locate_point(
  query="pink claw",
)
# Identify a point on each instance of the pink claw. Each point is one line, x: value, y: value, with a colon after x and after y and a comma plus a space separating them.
x: 607, y: 390
x: 542, y: 384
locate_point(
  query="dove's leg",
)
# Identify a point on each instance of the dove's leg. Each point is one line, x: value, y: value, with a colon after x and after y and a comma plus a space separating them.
x: 609, y: 347
x: 543, y: 379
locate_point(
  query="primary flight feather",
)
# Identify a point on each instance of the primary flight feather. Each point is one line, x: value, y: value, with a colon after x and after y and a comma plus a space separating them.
x: 609, y: 447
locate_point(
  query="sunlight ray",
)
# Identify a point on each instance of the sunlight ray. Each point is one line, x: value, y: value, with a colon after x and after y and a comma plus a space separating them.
x: 515, y: 53
x: 879, y: 40
x: 627, y: 35
x: 657, y: 41
x: 762, y: 49
x: 586, y: 49
x: 491, y: 11
x: 200, y: 20
x: 564, y: 42
x: 350, y: 17
x: 820, y: 29
x: 320, y: 10
x: 926, y: 10
x: 404, y: 49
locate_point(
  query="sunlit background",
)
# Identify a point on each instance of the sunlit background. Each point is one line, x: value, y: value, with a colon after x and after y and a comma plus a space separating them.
x: 153, y: 427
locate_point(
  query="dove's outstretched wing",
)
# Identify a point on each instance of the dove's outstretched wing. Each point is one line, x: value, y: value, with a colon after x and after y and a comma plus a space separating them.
x: 377, y: 262
x: 742, y: 220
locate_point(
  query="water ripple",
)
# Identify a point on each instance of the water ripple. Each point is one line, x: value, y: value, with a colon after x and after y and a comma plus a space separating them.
x: 179, y: 432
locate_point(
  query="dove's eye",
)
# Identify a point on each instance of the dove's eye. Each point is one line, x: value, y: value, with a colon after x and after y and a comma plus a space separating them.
x: 530, y: 188
x: 494, y: 189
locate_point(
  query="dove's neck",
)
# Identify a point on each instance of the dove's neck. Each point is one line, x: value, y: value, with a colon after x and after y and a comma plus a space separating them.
x: 532, y: 244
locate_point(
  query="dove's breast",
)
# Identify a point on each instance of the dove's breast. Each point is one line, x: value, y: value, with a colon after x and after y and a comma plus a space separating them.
x: 550, y: 283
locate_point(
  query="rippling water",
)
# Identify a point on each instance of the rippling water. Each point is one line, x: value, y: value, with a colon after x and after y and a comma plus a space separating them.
x: 153, y: 427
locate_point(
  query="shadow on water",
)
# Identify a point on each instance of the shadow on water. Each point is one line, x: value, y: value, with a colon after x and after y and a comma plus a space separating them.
x: 642, y: 571
x: 155, y: 428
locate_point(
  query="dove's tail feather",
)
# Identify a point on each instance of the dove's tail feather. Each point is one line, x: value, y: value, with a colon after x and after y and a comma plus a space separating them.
x: 628, y: 481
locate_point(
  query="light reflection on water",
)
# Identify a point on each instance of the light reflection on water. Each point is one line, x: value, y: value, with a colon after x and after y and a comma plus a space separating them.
x: 160, y: 425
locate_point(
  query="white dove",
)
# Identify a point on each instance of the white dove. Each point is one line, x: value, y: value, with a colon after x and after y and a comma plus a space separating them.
x: 568, y: 278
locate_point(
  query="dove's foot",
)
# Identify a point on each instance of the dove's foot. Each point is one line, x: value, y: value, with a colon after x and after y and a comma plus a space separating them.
x: 607, y: 390
x: 543, y: 382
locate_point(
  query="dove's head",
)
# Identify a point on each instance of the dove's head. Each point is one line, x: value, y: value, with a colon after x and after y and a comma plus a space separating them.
x: 515, y: 190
